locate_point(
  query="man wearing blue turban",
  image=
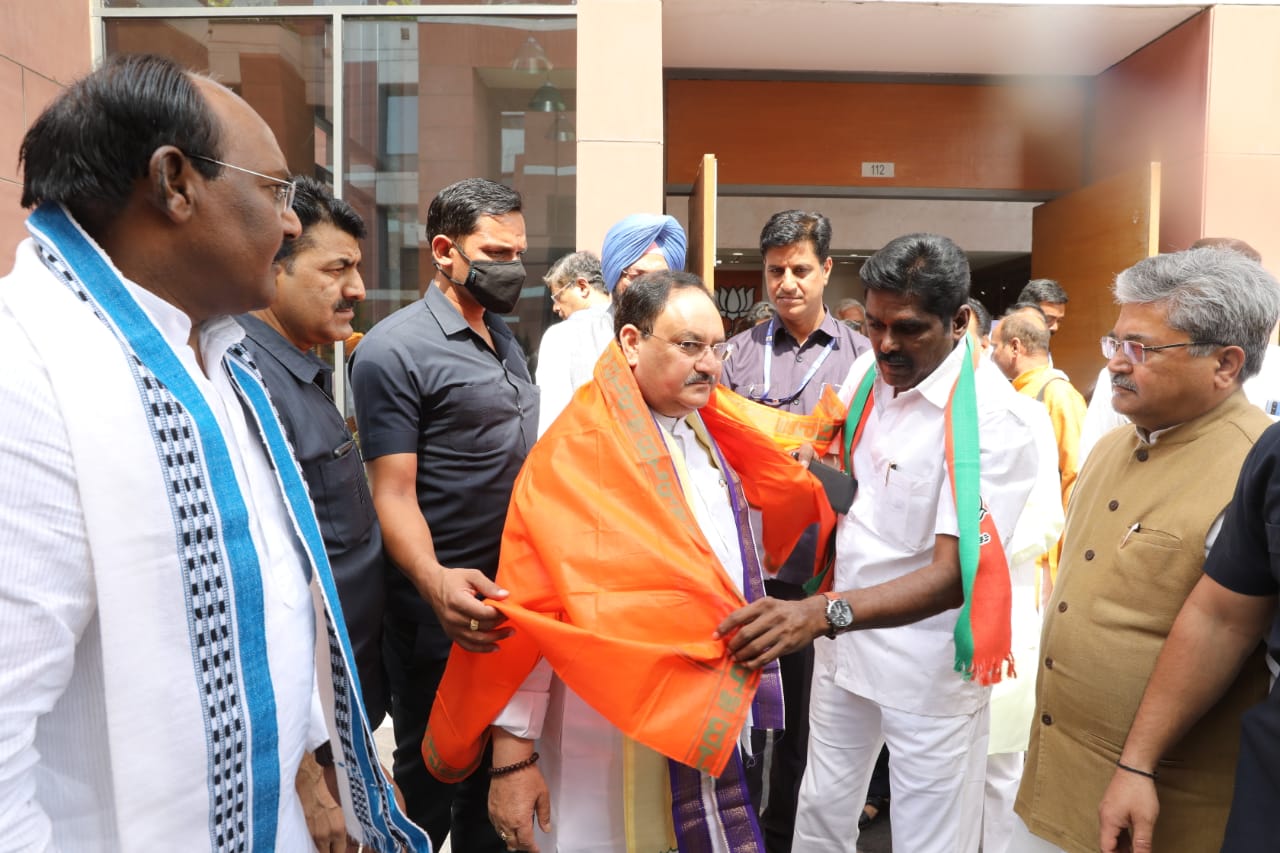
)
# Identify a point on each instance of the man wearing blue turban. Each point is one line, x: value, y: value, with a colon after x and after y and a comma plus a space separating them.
x: 635, y: 245
x: 641, y: 243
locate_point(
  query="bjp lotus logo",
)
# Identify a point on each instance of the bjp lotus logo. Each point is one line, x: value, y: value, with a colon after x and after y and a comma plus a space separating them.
x: 735, y: 302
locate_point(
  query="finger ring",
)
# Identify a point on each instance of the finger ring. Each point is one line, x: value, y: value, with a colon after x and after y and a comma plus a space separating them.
x: 502, y: 833
x: 475, y: 624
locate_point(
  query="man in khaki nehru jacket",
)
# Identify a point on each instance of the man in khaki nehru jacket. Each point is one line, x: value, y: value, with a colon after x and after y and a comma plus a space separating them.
x: 1192, y: 327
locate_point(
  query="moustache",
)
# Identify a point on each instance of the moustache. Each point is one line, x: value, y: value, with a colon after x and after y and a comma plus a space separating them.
x: 345, y: 305
x: 700, y: 379
x: 1118, y: 381
x: 894, y: 359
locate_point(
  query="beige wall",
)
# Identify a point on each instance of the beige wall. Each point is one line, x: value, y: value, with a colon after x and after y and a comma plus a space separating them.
x: 1200, y: 101
x: 620, y: 127
x: 44, y: 44
x: 1242, y: 146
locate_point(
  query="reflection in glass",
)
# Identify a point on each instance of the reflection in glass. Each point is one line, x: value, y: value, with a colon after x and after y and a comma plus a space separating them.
x: 280, y: 66
x: 429, y: 102
x: 426, y: 102
x: 249, y: 4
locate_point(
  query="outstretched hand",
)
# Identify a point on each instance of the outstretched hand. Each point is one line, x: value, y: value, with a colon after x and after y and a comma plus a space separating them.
x: 768, y: 628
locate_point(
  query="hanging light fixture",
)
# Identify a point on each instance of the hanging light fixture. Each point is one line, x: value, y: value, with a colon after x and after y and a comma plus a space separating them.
x: 563, y: 129
x: 531, y: 58
x: 547, y: 99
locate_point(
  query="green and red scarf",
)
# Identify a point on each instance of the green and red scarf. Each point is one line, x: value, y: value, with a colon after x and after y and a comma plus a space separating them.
x: 982, y: 633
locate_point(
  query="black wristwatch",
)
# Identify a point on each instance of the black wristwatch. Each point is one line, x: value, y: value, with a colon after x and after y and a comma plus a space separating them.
x: 839, y: 614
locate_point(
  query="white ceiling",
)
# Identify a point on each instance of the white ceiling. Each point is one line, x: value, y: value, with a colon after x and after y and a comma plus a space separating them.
x: 885, y: 37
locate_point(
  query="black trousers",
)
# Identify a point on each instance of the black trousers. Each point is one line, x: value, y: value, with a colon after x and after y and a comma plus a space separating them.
x: 1254, y: 824
x: 460, y: 811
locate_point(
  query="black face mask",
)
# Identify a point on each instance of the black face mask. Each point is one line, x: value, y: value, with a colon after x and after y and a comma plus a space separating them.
x: 496, y: 285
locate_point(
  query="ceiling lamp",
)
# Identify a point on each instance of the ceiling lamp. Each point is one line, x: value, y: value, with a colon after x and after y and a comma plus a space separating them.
x: 531, y: 58
x: 547, y: 99
x: 563, y: 131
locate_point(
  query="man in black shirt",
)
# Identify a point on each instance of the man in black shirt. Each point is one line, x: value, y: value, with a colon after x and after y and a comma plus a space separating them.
x: 447, y: 413
x: 317, y: 287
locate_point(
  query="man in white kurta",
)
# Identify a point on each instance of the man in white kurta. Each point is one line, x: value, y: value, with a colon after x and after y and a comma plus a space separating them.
x: 582, y: 752
x: 634, y: 245
x: 570, y: 348
x: 671, y: 337
x: 899, y: 684
x: 167, y: 648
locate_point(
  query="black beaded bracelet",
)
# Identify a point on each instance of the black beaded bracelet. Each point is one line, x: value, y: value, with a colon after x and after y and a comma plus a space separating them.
x: 1123, y: 766
x: 512, y: 768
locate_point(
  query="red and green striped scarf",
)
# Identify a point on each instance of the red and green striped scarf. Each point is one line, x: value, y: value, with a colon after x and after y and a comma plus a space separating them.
x: 982, y: 632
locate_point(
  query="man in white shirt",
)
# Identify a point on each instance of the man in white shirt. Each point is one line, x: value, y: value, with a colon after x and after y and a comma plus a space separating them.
x: 570, y: 348
x: 165, y: 583
x: 891, y: 674
x: 636, y: 244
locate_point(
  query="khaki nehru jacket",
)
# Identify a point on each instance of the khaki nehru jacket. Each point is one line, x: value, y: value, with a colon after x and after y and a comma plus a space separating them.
x: 1132, y: 551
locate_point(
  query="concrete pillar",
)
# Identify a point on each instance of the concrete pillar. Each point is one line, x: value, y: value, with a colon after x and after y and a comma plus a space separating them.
x: 620, y: 114
x: 1242, y: 144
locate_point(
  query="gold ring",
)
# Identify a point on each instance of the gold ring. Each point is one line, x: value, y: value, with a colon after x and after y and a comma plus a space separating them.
x: 475, y: 626
x: 501, y: 833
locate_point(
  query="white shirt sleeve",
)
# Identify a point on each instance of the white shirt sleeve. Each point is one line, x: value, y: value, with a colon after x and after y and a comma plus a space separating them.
x: 527, y: 710
x: 46, y: 586
x: 1100, y: 418
x: 553, y: 376
x: 317, y: 731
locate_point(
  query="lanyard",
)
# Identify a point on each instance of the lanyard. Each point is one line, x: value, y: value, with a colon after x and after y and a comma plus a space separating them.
x: 768, y: 365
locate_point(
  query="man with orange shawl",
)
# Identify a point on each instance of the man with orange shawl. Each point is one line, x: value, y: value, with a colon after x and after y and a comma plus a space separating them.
x: 628, y: 540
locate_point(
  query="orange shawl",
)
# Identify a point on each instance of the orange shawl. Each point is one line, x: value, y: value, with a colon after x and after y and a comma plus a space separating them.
x: 614, y: 584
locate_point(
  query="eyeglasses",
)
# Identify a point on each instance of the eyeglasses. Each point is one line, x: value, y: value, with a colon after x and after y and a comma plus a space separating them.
x: 283, y: 190
x: 697, y: 349
x: 557, y: 295
x: 1136, y: 353
x: 631, y: 275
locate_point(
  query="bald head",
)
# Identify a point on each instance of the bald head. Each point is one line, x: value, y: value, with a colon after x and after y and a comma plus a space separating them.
x: 1021, y: 342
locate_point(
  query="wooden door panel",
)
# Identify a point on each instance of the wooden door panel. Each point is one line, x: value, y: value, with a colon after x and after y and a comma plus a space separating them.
x: 702, y: 223
x: 1082, y: 240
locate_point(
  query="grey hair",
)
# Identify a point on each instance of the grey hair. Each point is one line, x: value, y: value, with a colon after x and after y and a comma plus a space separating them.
x: 1213, y: 295
x: 761, y: 311
x: 844, y: 304
x: 571, y: 267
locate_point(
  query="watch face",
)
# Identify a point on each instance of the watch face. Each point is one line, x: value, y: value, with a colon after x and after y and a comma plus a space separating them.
x: 839, y: 614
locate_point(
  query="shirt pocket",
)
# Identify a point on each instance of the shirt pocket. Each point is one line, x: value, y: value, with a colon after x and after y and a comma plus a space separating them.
x: 344, y: 507
x: 908, y: 511
x: 486, y: 420
x: 470, y: 419
x: 1158, y: 566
